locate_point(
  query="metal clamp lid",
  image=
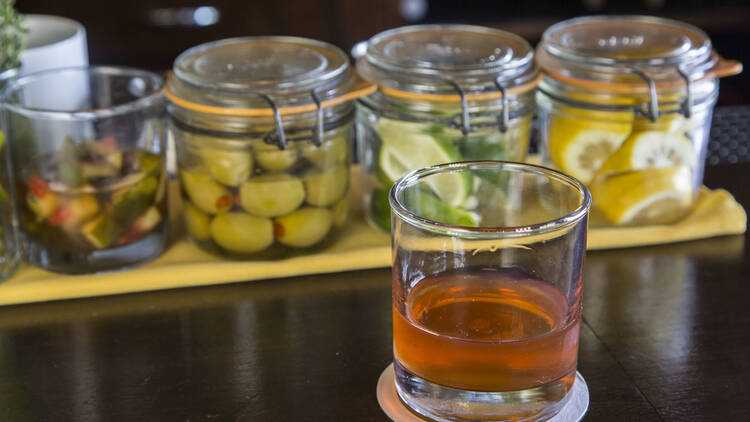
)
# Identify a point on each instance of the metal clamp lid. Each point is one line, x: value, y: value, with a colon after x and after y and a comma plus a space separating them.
x: 686, y: 108
x: 503, y: 118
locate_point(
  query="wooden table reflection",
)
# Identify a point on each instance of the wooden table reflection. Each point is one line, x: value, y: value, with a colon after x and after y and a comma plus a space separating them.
x: 666, y: 337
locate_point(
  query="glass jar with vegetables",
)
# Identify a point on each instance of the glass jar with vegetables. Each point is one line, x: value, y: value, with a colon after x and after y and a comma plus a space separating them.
x: 88, y: 152
x: 263, y: 129
x: 445, y: 93
x: 625, y: 106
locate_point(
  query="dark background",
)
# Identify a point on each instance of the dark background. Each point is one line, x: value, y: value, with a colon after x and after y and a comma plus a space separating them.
x: 148, y: 34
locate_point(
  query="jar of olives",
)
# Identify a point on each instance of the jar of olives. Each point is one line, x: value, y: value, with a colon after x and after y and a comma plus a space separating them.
x: 445, y: 93
x: 263, y: 128
x: 625, y: 106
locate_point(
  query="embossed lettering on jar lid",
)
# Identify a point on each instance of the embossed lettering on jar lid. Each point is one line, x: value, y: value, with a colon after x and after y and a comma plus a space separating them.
x: 629, y: 52
x: 252, y: 76
x: 434, y: 61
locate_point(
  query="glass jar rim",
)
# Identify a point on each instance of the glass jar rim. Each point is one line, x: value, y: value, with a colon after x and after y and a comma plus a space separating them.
x: 562, y: 222
x: 255, y: 76
x: 628, y: 52
x: 442, y: 62
x: 617, y: 40
x: 153, y: 95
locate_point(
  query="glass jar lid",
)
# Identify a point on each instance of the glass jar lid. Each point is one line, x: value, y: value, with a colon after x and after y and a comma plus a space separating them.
x: 255, y: 75
x: 436, y: 61
x: 629, y: 52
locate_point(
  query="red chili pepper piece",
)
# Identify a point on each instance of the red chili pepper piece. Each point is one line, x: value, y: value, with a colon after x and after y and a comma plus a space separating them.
x: 38, y: 186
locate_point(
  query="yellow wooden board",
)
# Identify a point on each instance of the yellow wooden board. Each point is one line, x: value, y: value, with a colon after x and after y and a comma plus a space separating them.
x: 359, y: 247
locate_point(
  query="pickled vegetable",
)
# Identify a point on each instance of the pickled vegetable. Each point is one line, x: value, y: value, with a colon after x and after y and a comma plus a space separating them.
x: 242, y: 233
x: 304, y: 227
x: 129, y: 202
x: 207, y: 194
x: 74, y: 212
x: 198, y: 222
x: 142, y: 225
x: 40, y: 200
x: 101, y: 232
x: 272, y: 195
x: 230, y: 167
x: 326, y: 187
x: 92, y: 195
x: 277, y: 160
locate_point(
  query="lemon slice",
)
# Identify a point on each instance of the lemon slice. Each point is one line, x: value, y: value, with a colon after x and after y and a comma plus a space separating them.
x: 405, y: 148
x: 652, y: 196
x: 579, y: 146
x: 651, y: 149
x: 671, y: 123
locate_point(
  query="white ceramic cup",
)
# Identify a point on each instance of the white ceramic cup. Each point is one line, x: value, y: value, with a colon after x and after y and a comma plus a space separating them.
x: 52, y: 42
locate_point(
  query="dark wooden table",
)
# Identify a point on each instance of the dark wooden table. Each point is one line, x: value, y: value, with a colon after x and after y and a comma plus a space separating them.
x: 666, y: 336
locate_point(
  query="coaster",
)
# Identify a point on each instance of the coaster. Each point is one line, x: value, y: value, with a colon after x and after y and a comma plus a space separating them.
x: 573, y: 411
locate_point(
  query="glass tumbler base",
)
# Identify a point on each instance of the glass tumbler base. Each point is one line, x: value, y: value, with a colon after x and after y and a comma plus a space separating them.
x: 143, y: 250
x: 441, y: 403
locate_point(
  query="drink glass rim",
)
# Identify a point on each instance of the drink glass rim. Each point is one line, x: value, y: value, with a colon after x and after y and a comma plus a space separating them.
x: 153, y: 93
x: 566, y: 220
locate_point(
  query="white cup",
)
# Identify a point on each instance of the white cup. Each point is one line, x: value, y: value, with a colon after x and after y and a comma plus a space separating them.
x: 52, y: 42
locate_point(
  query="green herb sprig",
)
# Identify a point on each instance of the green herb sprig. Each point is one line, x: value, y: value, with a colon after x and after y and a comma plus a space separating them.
x: 11, y: 29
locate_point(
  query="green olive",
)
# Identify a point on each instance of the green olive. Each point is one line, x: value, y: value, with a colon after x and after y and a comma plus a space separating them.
x: 331, y: 152
x: 271, y: 195
x: 205, y: 192
x: 326, y: 187
x: 304, y: 227
x: 242, y: 233
x: 198, y: 222
x: 230, y: 167
x: 277, y: 160
x: 340, y: 211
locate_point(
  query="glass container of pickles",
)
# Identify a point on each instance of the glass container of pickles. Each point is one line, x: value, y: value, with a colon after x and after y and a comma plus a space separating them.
x: 263, y: 128
x: 625, y: 106
x: 445, y: 93
x: 87, y: 149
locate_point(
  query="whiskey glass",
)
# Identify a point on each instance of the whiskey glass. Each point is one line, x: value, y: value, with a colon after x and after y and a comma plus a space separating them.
x: 487, y: 281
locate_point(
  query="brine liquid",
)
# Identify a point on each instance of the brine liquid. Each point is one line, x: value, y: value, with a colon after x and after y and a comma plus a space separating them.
x: 487, y: 330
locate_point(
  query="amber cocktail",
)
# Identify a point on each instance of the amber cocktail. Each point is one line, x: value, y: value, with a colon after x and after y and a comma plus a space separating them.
x: 487, y: 282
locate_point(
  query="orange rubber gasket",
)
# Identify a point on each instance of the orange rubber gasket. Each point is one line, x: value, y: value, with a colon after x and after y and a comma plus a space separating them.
x: 361, y: 88
x: 480, y: 96
x: 722, y: 69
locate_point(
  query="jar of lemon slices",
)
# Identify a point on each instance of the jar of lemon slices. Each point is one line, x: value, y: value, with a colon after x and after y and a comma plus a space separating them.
x: 263, y: 127
x: 625, y: 105
x: 445, y: 93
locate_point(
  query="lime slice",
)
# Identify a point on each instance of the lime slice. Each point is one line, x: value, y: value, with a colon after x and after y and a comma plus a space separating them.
x: 651, y: 196
x: 427, y: 205
x: 380, y: 209
x: 406, y: 147
x: 579, y: 147
x: 651, y: 149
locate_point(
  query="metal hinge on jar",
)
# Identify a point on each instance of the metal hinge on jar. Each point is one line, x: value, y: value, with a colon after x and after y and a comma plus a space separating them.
x: 278, y: 135
x: 652, y: 107
x: 464, y: 119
